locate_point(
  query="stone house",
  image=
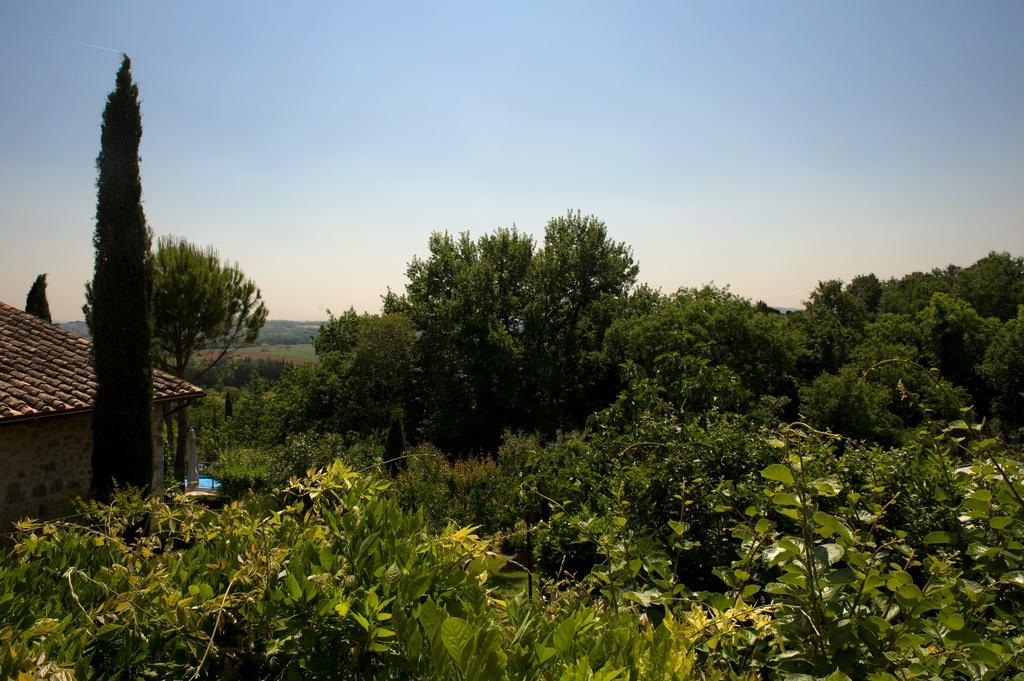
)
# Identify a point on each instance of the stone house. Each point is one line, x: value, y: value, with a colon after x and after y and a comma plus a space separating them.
x: 47, y: 385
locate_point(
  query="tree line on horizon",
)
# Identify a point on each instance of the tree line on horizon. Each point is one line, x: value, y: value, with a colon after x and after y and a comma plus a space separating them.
x: 500, y: 333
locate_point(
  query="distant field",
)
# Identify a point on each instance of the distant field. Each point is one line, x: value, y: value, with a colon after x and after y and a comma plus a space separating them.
x: 289, y: 353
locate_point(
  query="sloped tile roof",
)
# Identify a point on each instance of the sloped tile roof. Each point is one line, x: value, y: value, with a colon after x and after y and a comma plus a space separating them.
x: 46, y: 371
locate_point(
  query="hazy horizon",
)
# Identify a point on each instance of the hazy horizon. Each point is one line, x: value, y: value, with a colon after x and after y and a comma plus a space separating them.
x: 763, y: 147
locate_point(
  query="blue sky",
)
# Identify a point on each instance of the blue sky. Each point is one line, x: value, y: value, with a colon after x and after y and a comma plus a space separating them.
x: 761, y: 145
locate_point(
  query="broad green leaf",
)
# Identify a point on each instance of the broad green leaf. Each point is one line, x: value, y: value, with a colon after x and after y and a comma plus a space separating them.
x: 431, y: 618
x: 1016, y: 577
x: 749, y: 591
x: 938, y: 537
x: 904, y: 641
x: 985, y: 655
x: 897, y: 580
x: 953, y: 620
x: 455, y: 634
x: 294, y: 590
x: 564, y: 632
x: 832, y: 552
x: 836, y: 676
x: 785, y: 499
x: 999, y: 522
x: 361, y: 619
x: 829, y: 526
x: 779, y: 473
x: 909, y: 592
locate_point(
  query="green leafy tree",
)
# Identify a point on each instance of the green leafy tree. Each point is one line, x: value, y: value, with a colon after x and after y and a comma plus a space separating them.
x: 1003, y: 369
x: 956, y: 340
x: 364, y: 375
x: 868, y: 290
x: 846, y: 403
x: 377, y: 371
x: 714, y: 325
x: 831, y: 324
x: 394, y: 444
x: 467, y: 301
x: 120, y: 292
x: 912, y: 293
x: 35, y: 302
x: 994, y: 286
x: 578, y: 284
x: 339, y: 333
x: 203, y: 309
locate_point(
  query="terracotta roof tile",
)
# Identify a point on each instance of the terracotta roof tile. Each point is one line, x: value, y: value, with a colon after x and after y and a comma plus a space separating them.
x: 45, y: 370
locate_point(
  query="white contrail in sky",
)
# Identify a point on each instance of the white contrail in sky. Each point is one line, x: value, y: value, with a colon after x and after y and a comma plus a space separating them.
x: 96, y: 47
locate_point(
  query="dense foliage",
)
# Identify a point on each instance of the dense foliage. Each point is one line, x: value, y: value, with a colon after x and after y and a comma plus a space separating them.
x: 501, y: 334
x: 718, y: 552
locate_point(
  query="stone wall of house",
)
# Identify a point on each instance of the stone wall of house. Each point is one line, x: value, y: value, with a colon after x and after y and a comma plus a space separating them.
x: 43, y: 464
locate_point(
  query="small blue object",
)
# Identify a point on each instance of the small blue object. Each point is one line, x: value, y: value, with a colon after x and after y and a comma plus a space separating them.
x: 205, y: 482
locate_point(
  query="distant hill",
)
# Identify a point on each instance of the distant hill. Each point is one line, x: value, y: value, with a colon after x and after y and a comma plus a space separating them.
x: 77, y: 328
x: 274, y: 332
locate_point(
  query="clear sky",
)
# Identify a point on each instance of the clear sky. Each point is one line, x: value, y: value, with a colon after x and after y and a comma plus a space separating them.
x: 764, y: 145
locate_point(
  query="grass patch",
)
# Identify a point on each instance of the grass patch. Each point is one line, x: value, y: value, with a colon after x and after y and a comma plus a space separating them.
x: 508, y: 583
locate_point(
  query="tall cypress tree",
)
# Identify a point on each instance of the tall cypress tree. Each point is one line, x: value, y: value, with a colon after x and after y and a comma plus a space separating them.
x: 35, y: 302
x: 121, y: 286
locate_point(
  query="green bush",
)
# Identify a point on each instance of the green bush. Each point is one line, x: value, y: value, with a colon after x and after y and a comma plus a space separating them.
x: 846, y: 403
x: 476, y: 492
x: 562, y: 550
x: 857, y: 591
x: 325, y: 579
x: 260, y: 469
x: 241, y: 469
x: 846, y: 562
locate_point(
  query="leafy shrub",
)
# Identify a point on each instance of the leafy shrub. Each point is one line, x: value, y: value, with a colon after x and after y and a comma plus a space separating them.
x: 846, y: 403
x: 326, y: 578
x: 853, y: 588
x: 260, y: 469
x: 475, y: 492
x: 562, y: 550
x: 240, y: 469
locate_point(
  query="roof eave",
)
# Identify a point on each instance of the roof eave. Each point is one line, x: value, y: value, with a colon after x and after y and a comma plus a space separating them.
x: 22, y: 418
